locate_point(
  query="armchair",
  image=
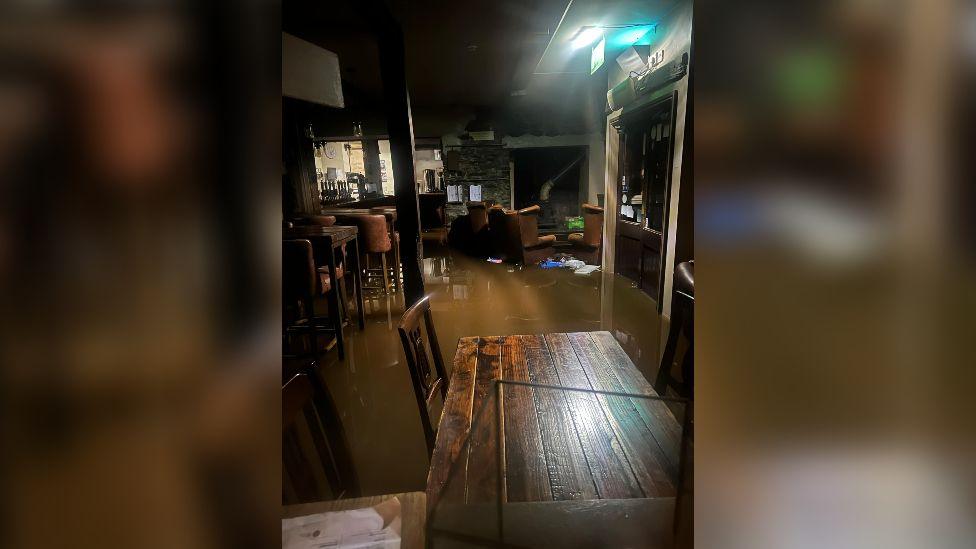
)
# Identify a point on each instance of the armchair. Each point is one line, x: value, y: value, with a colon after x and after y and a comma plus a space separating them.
x: 587, y: 245
x: 535, y: 248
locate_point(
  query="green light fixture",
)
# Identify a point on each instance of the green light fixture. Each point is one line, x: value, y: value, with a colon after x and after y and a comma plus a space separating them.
x: 588, y: 34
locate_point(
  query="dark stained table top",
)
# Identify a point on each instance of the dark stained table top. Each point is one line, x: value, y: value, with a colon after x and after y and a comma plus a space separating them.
x: 389, y: 213
x: 339, y: 234
x: 566, y: 445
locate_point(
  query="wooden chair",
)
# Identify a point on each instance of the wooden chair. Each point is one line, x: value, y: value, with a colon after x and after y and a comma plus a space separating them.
x: 682, y: 321
x: 303, y: 397
x: 426, y: 382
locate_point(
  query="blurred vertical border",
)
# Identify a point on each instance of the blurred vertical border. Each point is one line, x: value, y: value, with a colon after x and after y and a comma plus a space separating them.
x: 835, y: 248
x: 139, y: 224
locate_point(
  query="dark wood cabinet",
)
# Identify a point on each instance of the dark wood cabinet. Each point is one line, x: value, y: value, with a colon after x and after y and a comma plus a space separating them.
x: 644, y: 192
x: 629, y: 249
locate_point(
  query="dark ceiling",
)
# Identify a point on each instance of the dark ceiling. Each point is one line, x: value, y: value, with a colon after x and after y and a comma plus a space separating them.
x: 463, y: 58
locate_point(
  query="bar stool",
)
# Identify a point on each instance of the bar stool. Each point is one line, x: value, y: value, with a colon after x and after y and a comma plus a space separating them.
x: 302, y: 283
x: 328, y: 221
x: 682, y: 321
x: 374, y: 239
x: 395, y: 238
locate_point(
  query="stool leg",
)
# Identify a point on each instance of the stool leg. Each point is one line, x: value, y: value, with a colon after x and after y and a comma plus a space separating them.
x: 396, y: 268
x: 334, y: 314
x: 386, y: 275
x: 664, y: 371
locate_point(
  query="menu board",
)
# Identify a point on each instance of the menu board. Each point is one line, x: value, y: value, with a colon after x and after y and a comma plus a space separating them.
x: 453, y: 194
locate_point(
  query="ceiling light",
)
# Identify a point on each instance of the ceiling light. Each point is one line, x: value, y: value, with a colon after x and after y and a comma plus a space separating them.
x: 585, y: 36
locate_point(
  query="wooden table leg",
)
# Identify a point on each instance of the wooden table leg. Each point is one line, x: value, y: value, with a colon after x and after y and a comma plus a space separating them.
x: 337, y: 320
x: 358, y: 283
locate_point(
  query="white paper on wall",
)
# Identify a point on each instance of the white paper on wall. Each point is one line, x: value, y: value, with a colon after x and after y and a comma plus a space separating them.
x: 452, y: 193
x: 474, y: 193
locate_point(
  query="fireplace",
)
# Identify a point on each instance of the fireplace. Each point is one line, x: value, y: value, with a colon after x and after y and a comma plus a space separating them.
x: 553, y: 178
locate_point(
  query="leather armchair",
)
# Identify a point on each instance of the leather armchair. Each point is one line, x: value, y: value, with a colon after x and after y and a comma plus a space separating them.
x: 535, y: 248
x: 503, y: 231
x: 478, y: 215
x: 587, y: 245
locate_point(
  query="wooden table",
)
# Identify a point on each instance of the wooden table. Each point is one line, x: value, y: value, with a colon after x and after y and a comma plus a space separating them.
x: 566, y: 445
x: 412, y: 512
x: 333, y: 238
x: 391, y: 217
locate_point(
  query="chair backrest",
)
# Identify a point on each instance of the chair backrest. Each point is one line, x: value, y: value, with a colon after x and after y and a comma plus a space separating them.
x: 427, y: 382
x: 592, y: 225
x: 298, y: 276
x: 682, y: 322
x: 303, y: 473
x: 503, y: 228
x: 528, y: 220
x: 478, y: 213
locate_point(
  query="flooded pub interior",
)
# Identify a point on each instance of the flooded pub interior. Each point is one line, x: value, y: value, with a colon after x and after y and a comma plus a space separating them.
x: 487, y: 274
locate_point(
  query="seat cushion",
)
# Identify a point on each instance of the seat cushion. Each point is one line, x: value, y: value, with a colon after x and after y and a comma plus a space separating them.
x: 545, y: 240
x: 578, y: 242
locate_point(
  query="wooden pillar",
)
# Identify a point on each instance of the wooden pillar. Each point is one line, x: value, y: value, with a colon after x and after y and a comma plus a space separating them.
x: 400, y: 127
x: 299, y: 168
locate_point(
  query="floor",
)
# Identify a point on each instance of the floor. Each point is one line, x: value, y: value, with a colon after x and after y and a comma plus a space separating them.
x: 469, y: 296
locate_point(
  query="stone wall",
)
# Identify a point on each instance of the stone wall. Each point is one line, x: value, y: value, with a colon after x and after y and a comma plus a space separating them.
x: 480, y: 163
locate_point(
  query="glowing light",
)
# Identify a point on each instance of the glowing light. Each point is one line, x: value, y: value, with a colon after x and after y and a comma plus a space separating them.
x: 586, y: 36
x: 596, y: 56
x: 630, y: 36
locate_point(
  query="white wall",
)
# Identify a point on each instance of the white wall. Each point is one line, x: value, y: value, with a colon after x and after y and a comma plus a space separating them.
x: 340, y: 162
x: 309, y: 72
